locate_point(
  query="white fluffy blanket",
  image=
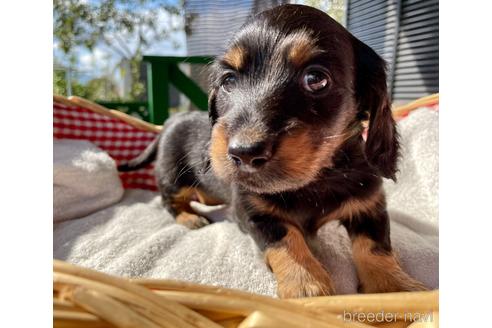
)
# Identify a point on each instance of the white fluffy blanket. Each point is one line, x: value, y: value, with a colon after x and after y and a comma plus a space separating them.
x: 75, y: 162
x: 137, y: 238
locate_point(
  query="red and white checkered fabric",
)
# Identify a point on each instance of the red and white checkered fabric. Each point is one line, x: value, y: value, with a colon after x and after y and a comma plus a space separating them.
x: 119, y: 139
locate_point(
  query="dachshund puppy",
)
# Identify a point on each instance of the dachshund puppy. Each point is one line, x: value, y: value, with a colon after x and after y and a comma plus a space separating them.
x: 283, y: 146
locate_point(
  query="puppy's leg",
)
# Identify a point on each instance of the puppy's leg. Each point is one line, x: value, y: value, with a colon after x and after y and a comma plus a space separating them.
x: 191, y: 220
x: 180, y: 203
x: 298, y: 272
x: 377, y: 266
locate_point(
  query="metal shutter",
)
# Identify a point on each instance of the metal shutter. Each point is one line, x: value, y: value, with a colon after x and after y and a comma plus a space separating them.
x: 375, y: 22
x: 417, y: 57
x: 406, y: 34
x: 211, y: 24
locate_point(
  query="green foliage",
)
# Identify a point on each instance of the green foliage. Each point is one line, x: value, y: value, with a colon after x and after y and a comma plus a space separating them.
x: 96, y: 89
x: 112, y: 23
x: 85, y: 23
x: 138, y: 87
x: 334, y: 8
x: 101, y: 88
x: 60, y: 86
x: 59, y: 83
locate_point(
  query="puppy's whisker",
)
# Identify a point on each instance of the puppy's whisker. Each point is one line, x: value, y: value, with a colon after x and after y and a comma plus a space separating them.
x: 336, y: 135
x: 186, y: 168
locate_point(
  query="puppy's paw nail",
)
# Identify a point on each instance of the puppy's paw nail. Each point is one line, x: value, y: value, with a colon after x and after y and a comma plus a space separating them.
x: 306, y: 286
x: 401, y: 283
x: 192, y: 221
x: 197, y: 223
x: 305, y: 290
x: 201, y: 222
x: 414, y: 286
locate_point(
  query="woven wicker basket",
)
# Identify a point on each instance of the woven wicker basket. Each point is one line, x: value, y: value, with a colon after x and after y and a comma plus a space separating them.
x: 87, y: 298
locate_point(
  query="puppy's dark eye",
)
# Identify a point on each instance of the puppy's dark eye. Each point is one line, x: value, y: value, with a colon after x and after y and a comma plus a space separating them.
x: 228, y: 82
x: 315, y: 79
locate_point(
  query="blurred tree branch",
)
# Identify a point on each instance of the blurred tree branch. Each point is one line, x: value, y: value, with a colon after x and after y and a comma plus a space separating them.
x: 127, y: 27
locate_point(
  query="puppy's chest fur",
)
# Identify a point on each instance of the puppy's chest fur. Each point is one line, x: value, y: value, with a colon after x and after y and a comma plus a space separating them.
x: 332, y: 196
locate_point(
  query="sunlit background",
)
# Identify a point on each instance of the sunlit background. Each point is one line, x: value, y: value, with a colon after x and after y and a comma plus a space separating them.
x: 99, y: 44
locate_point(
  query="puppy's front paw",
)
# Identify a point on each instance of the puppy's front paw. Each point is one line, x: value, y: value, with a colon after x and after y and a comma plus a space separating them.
x: 380, y: 271
x: 191, y: 221
x: 397, y: 281
x: 390, y: 284
x: 385, y: 276
x: 298, y: 282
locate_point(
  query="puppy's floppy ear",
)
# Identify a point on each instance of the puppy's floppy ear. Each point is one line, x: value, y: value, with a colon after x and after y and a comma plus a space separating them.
x: 212, y: 94
x: 212, y: 109
x: 382, y: 147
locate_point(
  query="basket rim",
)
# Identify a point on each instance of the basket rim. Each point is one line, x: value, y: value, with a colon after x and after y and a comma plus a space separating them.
x: 90, y: 297
x: 137, y: 123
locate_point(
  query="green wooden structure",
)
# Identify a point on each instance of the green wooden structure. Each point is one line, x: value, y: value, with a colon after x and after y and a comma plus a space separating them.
x: 161, y: 73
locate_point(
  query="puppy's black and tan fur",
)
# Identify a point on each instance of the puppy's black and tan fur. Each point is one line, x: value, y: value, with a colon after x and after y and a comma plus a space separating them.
x: 283, y: 145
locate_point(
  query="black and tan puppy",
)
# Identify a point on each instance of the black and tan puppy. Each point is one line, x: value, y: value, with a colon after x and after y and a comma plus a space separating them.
x: 283, y: 141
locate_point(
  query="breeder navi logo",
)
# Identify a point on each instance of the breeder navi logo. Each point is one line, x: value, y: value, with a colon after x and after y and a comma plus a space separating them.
x: 384, y: 317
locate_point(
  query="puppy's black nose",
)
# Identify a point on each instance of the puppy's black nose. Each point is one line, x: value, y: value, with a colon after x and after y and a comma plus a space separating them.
x: 252, y: 155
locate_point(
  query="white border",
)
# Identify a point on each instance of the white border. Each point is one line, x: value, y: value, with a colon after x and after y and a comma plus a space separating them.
x: 465, y: 163
x: 465, y: 178
x: 26, y: 163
